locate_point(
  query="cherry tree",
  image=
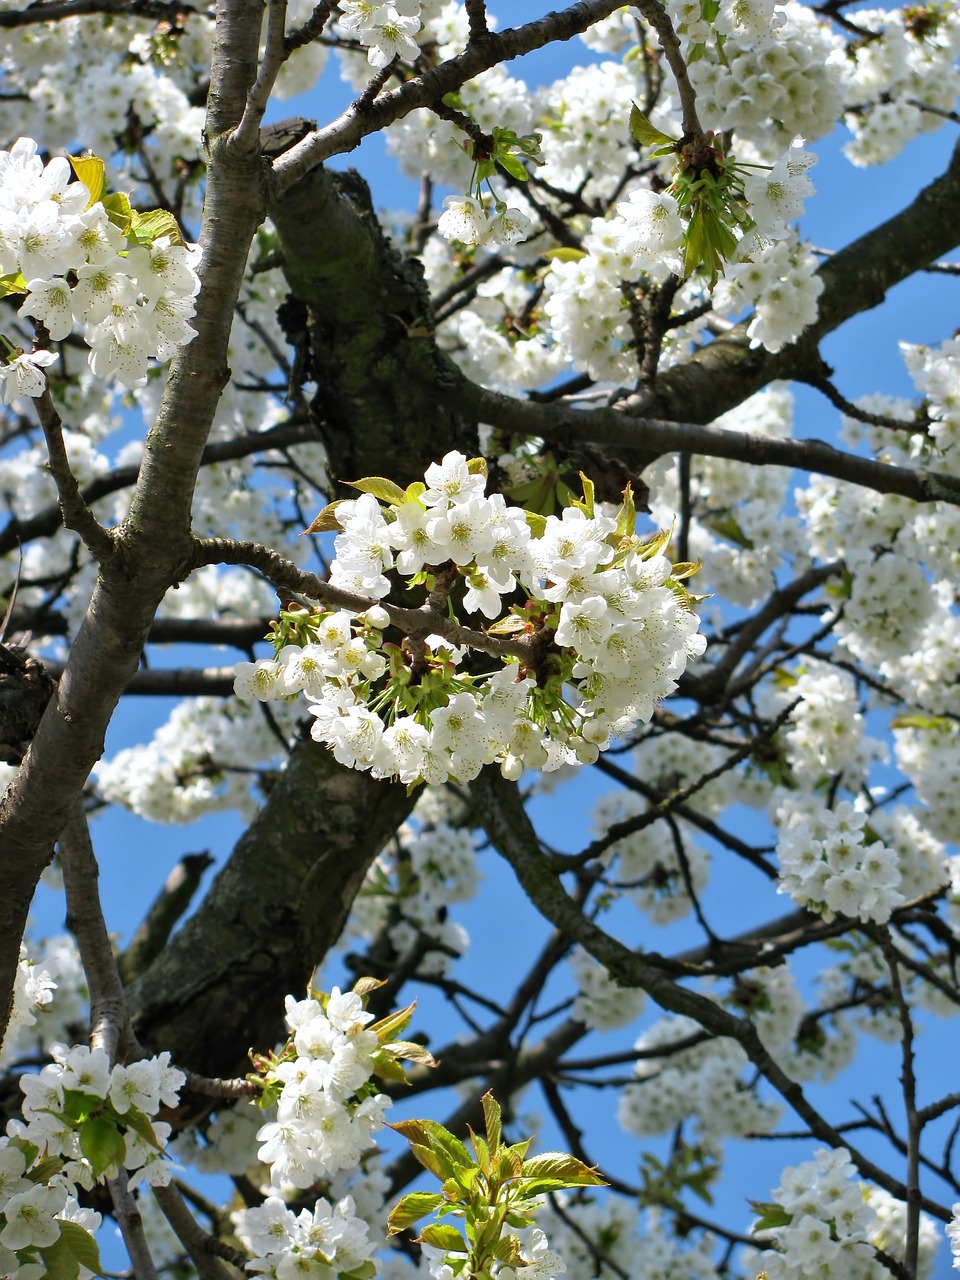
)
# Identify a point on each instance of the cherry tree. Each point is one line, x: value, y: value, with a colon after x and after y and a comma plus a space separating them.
x: 489, y: 504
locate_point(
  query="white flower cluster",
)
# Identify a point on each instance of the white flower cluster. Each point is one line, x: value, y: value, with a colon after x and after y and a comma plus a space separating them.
x: 328, y: 1242
x: 51, y: 1105
x: 653, y: 1252
x: 700, y: 1081
x: 32, y: 1212
x: 320, y: 1128
x: 131, y: 302
x: 33, y: 990
x: 601, y: 1003
x: 468, y: 220
x: 610, y: 626
x: 646, y: 866
x: 834, y: 1224
x: 827, y: 865
x: 385, y: 28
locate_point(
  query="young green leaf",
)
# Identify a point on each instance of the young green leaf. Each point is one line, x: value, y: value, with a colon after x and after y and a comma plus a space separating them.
x: 411, y: 1208
x: 102, y: 1144
x: 382, y: 489
x: 556, y: 1164
x: 645, y: 133
x: 442, y: 1236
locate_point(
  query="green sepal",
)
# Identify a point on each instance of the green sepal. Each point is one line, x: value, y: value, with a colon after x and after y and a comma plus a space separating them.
x: 411, y: 1208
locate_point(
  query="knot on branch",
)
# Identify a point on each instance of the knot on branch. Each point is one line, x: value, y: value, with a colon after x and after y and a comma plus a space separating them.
x: 25, y: 690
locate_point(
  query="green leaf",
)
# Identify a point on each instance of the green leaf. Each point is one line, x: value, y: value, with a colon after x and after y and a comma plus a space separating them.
x: 482, y: 1151
x: 492, y: 1120
x: 386, y: 1067
x: 411, y: 1051
x: 557, y: 1164
x: 770, y: 1215
x: 29, y: 1151
x: 152, y: 226
x: 13, y: 282
x: 510, y: 1160
x: 536, y: 522
x: 508, y: 625
x: 921, y: 720
x: 726, y: 526
x: 454, y: 1149
x: 364, y: 986
x: 644, y: 131
x: 326, y: 521
x: 586, y: 506
x: 513, y: 166
x: 685, y: 569
x: 565, y: 253
x: 102, y: 1144
x: 414, y: 490
x: 139, y: 1123
x: 442, y: 1236
x: 82, y: 1245
x: 119, y: 210
x: 44, y: 1169
x: 58, y: 1261
x: 432, y: 1161
x: 477, y: 467
x: 411, y: 1208
x: 365, y: 1271
x: 383, y: 490
x: 78, y: 1106
x: 507, y: 1250
x: 627, y: 515
x: 393, y: 1024
x: 91, y: 171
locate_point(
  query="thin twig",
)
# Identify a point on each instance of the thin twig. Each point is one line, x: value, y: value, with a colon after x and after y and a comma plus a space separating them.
x: 75, y: 512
